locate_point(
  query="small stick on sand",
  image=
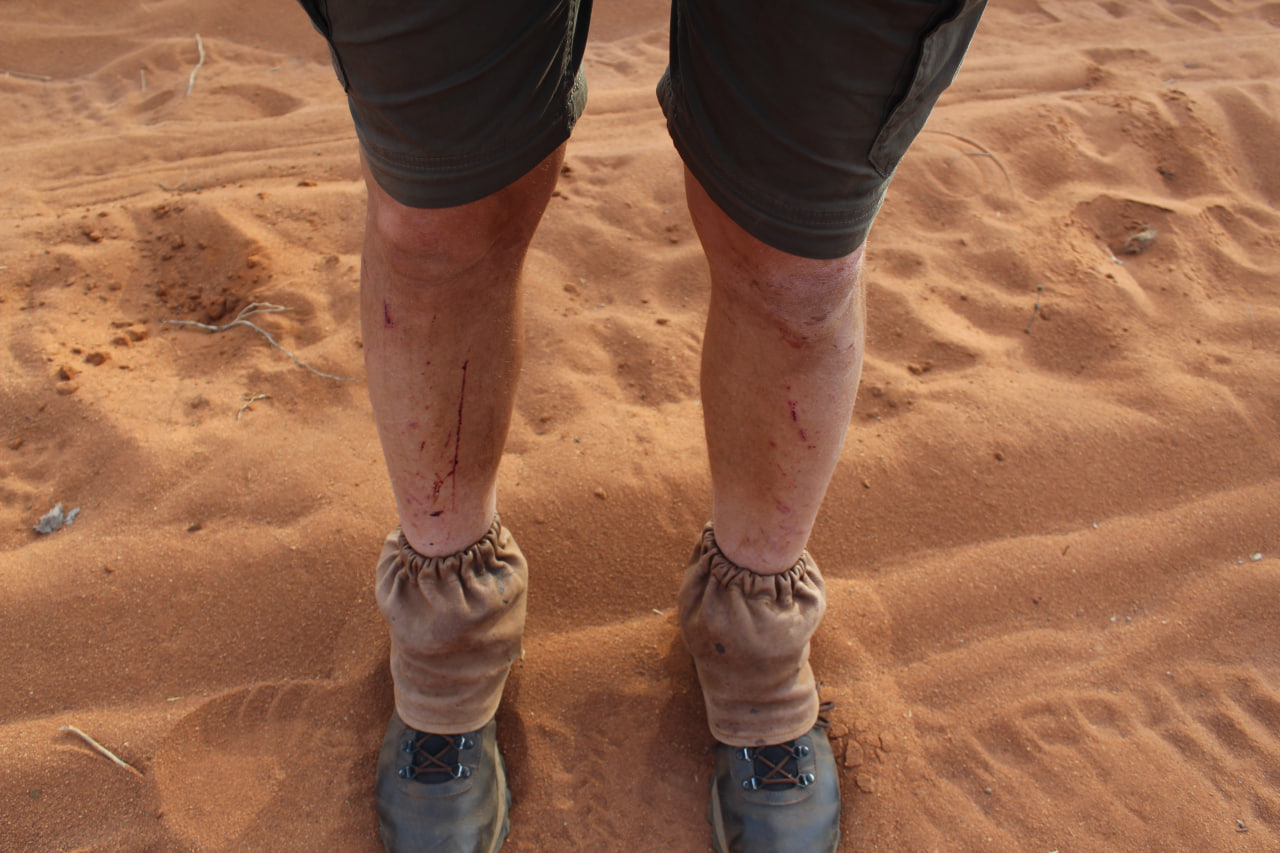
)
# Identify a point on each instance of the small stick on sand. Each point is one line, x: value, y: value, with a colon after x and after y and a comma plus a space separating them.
x: 178, y: 187
x: 982, y: 151
x: 142, y: 74
x: 102, y: 750
x: 249, y: 400
x: 1034, y: 311
x: 191, y: 84
x: 25, y: 76
x: 248, y: 311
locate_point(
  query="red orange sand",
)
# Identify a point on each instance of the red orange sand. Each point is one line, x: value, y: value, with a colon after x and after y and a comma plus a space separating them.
x: 1052, y: 546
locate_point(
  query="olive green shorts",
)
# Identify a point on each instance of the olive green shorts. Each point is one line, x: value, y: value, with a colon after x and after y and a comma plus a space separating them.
x: 793, y: 116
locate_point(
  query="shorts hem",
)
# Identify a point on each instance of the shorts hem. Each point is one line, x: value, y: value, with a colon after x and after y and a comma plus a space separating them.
x: 821, y: 234
x: 421, y: 181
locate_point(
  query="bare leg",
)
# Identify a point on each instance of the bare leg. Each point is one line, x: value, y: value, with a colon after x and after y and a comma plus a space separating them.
x: 780, y: 366
x: 440, y: 315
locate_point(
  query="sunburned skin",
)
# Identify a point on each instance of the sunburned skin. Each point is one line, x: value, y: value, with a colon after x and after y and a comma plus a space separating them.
x: 780, y: 366
x: 443, y: 401
x: 781, y: 361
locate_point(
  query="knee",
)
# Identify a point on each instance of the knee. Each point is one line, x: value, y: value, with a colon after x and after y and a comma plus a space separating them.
x: 431, y: 245
x: 804, y: 295
x: 438, y: 245
x: 804, y: 300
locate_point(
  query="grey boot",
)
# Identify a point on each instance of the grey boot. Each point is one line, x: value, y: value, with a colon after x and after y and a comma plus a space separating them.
x: 455, y: 623
x: 776, y: 787
x: 776, y: 799
x: 441, y: 793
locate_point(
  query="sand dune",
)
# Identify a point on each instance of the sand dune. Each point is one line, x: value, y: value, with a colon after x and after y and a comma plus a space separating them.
x: 1052, y: 547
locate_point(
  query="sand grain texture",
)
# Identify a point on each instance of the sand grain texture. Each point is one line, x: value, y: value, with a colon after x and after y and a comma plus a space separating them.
x: 1052, y: 546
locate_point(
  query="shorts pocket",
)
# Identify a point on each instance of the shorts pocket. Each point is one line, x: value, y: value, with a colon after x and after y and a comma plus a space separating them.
x: 318, y: 11
x: 941, y: 54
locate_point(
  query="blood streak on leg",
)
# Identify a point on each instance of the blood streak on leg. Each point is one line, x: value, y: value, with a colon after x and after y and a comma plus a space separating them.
x: 451, y: 476
x: 457, y: 440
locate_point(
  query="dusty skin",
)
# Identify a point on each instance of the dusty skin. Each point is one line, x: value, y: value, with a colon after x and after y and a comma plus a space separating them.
x: 1052, y: 547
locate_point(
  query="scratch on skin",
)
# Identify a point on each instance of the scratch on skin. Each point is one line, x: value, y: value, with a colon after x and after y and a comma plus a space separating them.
x: 451, y: 476
x: 457, y: 436
x: 387, y: 322
x: 792, y: 405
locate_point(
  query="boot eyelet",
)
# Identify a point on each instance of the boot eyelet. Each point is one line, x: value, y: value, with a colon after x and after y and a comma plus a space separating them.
x: 461, y: 771
x: 804, y: 780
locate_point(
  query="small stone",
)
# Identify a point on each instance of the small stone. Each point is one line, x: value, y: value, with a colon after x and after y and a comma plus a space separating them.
x: 68, y: 388
x: 866, y: 783
x: 109, y: 569
x: 97, y: 359
x: 987, y: 790
x: 194, y: 526
x: 50, y: 521
x: 853, y: 756
x: 1256, y: 557
x: 66, y: 373
x: 600, y: 493
x: 999, y: 457
x: 15, y: 443
x: 1139, y: 243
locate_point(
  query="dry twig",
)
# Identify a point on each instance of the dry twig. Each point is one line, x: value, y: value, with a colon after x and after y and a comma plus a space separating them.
x: 43, y: 78
x: 1035, y: 312
x: 982, y: 151
x: 191, y: 84
x: 249, y: 400
x: 102, y: 750
x: 241, y: 319
x: 180, y: 186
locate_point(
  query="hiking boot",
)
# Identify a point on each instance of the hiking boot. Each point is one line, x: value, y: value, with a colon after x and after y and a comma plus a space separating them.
x: 783, y: 798
x: 441, y: 793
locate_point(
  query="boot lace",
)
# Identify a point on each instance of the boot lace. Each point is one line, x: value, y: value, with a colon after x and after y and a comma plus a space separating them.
x: 434, y: 759
x: 777, y: 767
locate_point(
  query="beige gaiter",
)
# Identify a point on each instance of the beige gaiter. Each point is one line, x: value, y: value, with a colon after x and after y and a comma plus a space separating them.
x: 456, y: 624
x: 749, y: 636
